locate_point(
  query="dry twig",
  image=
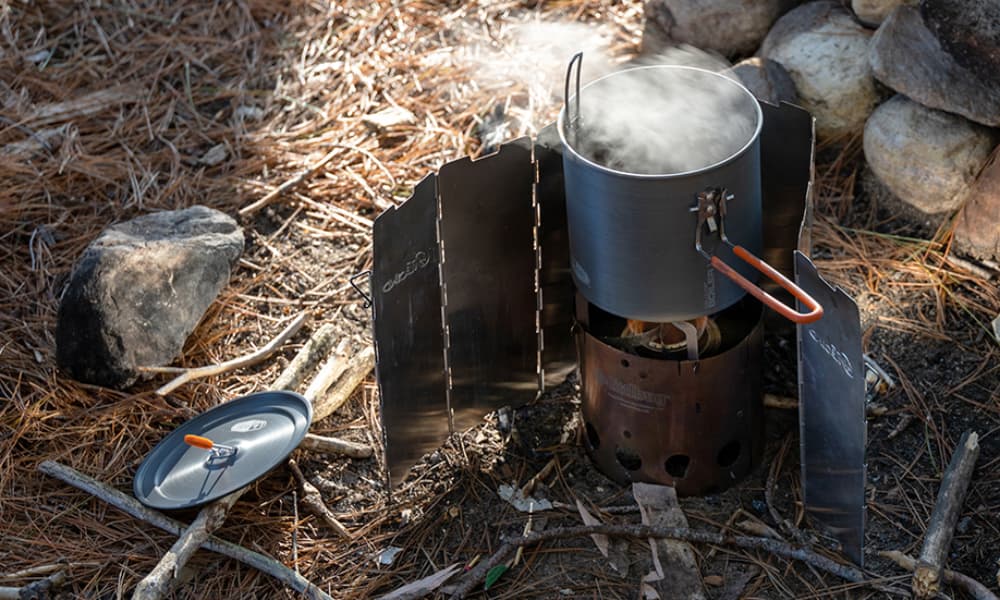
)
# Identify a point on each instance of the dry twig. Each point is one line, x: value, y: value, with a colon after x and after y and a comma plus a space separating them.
x: 357, y: 370
x: 477, y: 573
x: 332, y: 445
x: 959, y: 580
x: 317, y: 346
x: 43, y: 588
x: 160, y: 580
x: 313, y: 500
x: 235, y: 363
x: 951, y: 497
x: 132, y: 506
x: 294, y: 181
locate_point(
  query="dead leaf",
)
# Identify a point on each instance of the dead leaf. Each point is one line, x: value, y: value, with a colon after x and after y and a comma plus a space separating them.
x: 600, y: 540
x: 422, y: 587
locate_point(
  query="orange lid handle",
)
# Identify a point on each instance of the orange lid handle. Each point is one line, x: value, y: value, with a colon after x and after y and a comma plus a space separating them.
x: 815, y: 310
x: 199, y: 442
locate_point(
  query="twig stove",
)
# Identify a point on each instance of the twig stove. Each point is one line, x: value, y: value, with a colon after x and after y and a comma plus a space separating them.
x: 499, y: 276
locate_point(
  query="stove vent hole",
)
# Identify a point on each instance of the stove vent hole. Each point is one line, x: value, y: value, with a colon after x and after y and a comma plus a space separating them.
x: 729, y: 454
x: 628, y: 458
x: 592, y: 437
x: 677, y: 465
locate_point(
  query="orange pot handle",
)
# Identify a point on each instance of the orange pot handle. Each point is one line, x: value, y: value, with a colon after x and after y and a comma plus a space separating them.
x: 815, y: 310
x: 199, y: 442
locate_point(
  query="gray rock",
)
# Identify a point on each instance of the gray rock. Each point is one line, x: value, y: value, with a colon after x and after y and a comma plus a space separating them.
x: 768, y: 80
x: 977, y: 229
x: 927, y: 158
x: 907, y: 57
x: 729, y: 27
x: 826, y: 52
x: 872, y: 12
x: 139, y: 290
x: 969, y: 30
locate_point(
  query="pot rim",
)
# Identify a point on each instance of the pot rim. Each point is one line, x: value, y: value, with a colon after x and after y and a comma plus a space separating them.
x: 561, y: 122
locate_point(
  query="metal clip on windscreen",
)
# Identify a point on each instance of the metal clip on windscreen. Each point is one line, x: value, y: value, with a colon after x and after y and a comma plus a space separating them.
x: 573, y: 118
x: 711, y: 211
x: 354, y: 284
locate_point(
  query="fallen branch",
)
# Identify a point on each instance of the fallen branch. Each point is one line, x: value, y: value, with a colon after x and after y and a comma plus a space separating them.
x: 160, y: 580
x: 331, y: 445
x: 357, y: 370
x: 313, y: 500
x: 43, y: 588
x: 316, y: 347
x: 951, y: 497
x: 236, y: 363
x: 131, y: 506
x: 954, y: 578
x: 328, y: 374
x: 210, y: 518
x: 294, y: 181
x: 478, y: 573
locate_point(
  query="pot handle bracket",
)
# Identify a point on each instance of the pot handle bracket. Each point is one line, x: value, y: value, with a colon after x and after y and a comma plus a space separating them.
x: 573, y: 118
x: 711, y: 211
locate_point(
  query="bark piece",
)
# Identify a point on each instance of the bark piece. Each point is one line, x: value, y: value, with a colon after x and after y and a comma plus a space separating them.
x: 676, y: 570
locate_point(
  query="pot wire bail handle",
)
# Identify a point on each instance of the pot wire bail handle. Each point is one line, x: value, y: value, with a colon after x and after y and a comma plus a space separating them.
x: 712, y: 204
x: 573, y: 120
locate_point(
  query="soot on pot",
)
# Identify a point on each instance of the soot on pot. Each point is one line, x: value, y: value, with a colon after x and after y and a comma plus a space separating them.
x: 663, y: 120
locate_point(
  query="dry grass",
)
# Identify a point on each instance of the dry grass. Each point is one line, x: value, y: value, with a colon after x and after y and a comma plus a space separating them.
x: 110, y: 110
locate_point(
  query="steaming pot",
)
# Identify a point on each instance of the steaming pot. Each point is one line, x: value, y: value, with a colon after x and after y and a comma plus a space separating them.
x: 668, y: 246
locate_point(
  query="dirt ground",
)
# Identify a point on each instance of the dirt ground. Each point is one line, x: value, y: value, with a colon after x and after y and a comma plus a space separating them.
x: 114, y: 109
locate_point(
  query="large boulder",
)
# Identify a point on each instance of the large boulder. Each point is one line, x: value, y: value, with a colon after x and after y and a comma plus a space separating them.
x: 766, y: 79
x: 927, y: 158
x: 139, y: 290
x: 729, y: 27
x: 977, y: 229
x: 970, y: 31
x: 826, y: 52
x: 907, y: 57
x: 872, y: 12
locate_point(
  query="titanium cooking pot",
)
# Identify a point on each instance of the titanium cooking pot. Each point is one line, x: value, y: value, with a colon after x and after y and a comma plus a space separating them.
x: 662, y: 174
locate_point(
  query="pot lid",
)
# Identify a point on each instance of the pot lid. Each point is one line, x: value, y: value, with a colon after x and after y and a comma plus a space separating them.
x: 223, y: 449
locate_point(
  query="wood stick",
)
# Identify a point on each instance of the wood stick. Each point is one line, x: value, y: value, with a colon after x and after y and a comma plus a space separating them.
x: 331, y: 445
x: 160, y: 580
x: 328, y: 374
x: 131, y: 506
x: 43, y: 588
x: 357, y: 370
x: 62, y: 565
x: 294, y: 181
x: 316, y: 347
x: 959, y: 580
x: 313, y: 500
x: 849, y: 573
x: 951, y: 497
x: 236, y: 363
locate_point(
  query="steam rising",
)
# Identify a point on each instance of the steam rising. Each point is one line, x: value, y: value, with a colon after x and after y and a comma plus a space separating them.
x: 662, y: 120
x: 651, y: 121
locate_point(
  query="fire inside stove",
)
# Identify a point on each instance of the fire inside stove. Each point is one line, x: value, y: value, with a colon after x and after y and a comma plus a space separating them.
x: 673, y: 405
x: 500, y: 276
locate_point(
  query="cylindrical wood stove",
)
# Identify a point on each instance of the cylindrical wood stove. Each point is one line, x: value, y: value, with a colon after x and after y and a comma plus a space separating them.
x: 662, y: 166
